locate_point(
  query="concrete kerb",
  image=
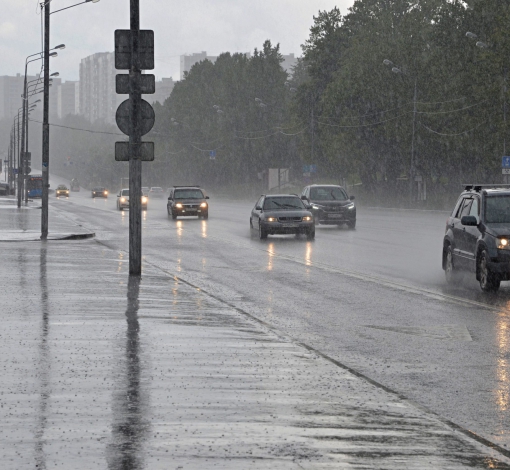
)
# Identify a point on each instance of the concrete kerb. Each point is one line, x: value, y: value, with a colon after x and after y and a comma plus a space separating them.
x: 22, y: 224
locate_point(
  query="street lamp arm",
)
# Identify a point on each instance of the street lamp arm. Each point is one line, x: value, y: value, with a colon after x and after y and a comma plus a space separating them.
x: 75, y: 5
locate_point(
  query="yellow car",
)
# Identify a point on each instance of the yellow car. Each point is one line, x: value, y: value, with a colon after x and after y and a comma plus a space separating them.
x: 62, y: 190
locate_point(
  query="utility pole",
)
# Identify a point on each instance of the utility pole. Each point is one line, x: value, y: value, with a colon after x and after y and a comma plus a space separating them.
x: 134, y: 51
x: 46, y: 125
x: 413, y: 162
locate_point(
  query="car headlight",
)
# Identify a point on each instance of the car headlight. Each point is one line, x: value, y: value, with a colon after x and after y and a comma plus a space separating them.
x: 350, y: 206
x: 106, y: 192
x: 122, y: 199
x: 307, y: 218
x: 178, y: 205
x: 271, y: 219
x: 503, y: 244
x: 204, y: 204
x: 144, y: 199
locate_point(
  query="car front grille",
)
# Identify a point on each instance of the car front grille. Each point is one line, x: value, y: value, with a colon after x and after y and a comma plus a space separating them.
x: 191, y: 206
x: 333, y: 209
x: 289, y: 219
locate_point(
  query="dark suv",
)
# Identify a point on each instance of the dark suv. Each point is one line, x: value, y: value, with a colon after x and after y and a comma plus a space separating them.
x: 477, y: 237
x: 330, y: 205
x: 187, y: 201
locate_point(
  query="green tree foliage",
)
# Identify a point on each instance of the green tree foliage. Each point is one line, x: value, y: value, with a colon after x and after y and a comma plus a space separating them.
x: 363, y: 114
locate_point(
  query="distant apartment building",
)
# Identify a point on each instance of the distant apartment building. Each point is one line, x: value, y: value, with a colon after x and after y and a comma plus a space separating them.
x: 11, y: 89
x: 97, y: 97
x: 66, y: 98
x: 189, y: 60
x: 164, y: 88
x: 289, y: 61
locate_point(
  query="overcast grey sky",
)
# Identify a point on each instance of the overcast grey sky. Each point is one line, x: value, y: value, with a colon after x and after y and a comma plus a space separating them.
x: 181, y: 27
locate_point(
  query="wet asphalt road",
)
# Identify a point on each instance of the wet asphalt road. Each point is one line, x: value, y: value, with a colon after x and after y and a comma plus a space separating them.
x: 373, y: 299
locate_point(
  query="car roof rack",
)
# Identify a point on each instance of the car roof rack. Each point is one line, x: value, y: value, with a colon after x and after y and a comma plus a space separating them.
x: 478, y: 187
x: 187, y: 186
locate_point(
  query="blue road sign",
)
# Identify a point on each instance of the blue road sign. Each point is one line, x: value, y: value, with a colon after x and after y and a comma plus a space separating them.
x: 505, y: 162
x: 212, y: 154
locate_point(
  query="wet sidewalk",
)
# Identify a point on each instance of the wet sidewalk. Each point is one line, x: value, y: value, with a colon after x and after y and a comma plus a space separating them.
x: 100, y: 371
x: 24, y: 223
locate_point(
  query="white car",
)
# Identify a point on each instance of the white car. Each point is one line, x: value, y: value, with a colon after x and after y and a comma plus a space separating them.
x: 123, y: 200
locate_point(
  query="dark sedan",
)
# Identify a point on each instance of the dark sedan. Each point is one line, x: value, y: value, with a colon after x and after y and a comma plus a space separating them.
x: 99, y: 192
x: 282, y: 214
x: 330, y: 205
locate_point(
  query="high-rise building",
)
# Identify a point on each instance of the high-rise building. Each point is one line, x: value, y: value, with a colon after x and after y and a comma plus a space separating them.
x: 66, y: 98
x: 11, y: 89
x: 289, y: 61
x: 164, y: 88
x: 98, y: 99
x: 189, y: 60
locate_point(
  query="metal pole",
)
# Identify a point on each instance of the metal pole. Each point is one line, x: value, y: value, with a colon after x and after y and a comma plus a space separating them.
x: 46, y: 126
x: 412, y: 169
x: 505, y: 177
x: 18, y: 192
x: 26, y: 150
x: 135, y: 164
x: 21, y: 174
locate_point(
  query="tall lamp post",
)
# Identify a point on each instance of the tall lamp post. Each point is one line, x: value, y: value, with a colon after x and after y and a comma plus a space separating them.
x: 412, y: 165
x: 46, y: 125
x: 484, y: 45
x: 23, y: 165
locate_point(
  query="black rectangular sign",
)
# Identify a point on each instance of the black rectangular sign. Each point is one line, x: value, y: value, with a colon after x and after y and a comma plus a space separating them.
x: 123, y: 49
x: 125, y: 83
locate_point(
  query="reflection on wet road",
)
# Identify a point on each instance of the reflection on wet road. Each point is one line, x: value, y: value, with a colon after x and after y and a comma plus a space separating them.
x: 178, y: 378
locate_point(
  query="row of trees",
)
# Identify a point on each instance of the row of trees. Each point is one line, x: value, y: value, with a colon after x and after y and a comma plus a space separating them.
x: 346, y: 111
x: 341, y: 109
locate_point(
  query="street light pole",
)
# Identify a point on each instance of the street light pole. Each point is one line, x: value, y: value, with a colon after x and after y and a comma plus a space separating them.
x: 46, y: 125
x: 135, y: 164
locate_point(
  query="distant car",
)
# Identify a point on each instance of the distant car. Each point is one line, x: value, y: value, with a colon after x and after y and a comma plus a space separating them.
x: 282, y: 214
x: 330, y: 205
x: 477, y: 236
x: 187, y: 201
x: 99, y: 192
x: 62, y: 190
x: 145, y: 190
x: 75, y: 185
x: 156, y: 192
x: 123, y: 200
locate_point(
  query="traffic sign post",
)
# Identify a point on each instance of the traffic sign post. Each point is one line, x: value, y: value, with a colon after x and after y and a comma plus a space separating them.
x: 134, y: 51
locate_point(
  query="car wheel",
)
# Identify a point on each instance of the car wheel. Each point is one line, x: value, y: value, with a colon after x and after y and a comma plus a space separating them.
x: 174, y: 216
x: 449, y: 268
x: 352, y: 224
x: 310, y: 235
x: 205, y: 216
x: 251, y: 224
x: 489, y: 282
x: 262, y: 232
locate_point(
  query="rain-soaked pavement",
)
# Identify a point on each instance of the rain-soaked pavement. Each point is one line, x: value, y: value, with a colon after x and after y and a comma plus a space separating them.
x: 185, y: 369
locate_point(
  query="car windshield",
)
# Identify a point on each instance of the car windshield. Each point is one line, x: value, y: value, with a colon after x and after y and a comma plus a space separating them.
x: 156, y: 189
x: 328, y: 193
x: 188, y: 194
x: 98, y: 189
x: 61, y: 187
x: 125, y: 192
x: 497, y: 210
x: 283, y: 203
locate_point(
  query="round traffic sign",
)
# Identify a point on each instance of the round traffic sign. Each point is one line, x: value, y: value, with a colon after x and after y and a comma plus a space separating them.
x: 123, y: 117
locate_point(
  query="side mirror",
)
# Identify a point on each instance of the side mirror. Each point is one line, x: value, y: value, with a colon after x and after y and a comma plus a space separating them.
x: 207, y: 197
x: 352, y: 198
x: 169, y: 198
x: 304, y: 198
x: 308, y: 206
x: 469, y: 220
x: 258, y: 208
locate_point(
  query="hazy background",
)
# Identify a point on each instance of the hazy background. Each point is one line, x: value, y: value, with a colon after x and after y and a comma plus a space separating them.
x: 181, y: 27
